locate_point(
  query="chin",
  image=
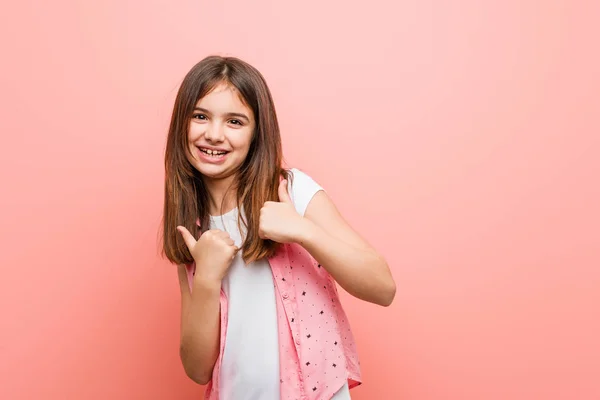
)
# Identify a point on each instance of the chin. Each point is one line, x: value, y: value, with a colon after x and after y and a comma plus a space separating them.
x: 213, y: 171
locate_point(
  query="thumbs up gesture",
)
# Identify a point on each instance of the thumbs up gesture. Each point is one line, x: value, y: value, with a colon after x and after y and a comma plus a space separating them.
x: 279, y: 220
x: 213, y: 253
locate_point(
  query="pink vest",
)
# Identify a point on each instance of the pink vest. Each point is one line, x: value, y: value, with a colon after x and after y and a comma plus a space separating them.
x: 317, y: 352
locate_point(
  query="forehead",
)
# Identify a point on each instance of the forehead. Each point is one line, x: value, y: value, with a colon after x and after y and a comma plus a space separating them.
x: 223, y: 98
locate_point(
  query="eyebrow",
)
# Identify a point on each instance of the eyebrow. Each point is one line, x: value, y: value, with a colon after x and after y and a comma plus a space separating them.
x: 232, y: 114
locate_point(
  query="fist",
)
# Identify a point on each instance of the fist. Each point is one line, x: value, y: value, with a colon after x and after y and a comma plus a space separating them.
x: 213, y: 252
x: 279, y: 221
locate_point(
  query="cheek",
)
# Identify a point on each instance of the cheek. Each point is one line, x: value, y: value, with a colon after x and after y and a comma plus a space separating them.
x: 192, y: 150
x: 192, y: 137
x: 242, y: 141
x: 194, y: 131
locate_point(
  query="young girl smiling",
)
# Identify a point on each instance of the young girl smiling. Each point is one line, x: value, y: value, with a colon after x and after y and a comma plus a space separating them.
x: 259, y: 249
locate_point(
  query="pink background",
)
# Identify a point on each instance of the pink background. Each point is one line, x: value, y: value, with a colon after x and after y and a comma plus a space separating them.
x: 461, y: 138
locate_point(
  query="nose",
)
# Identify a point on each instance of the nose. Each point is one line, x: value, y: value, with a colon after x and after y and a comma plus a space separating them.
x: 214, y: 133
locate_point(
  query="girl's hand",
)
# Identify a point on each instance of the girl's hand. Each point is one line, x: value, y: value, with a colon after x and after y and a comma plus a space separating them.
x: 213, y: 253
x: 279, y: 221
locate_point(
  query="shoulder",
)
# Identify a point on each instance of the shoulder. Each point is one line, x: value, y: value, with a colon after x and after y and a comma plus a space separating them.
x: 300, y: 180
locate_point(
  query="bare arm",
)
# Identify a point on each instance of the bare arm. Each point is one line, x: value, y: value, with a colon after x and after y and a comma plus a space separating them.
x: 200, y: 326
x: 350, y: 260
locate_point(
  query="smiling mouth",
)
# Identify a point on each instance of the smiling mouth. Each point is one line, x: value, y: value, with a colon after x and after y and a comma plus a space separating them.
x: 213, y: 153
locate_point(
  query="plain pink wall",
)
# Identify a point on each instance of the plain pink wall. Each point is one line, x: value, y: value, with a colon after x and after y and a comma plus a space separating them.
x: 461, y: 138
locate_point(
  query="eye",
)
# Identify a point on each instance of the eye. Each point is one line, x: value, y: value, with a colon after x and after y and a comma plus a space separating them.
x: 199, y: 116
x: 235, y: 122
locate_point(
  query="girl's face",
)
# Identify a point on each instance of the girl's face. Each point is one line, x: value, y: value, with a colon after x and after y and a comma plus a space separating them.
x: 220, y: 133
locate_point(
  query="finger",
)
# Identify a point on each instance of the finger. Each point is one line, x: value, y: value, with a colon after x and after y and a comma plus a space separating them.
x: 216, y: 234
x: 224, y: 236
x: 187, y: 237
x: 284, y: 196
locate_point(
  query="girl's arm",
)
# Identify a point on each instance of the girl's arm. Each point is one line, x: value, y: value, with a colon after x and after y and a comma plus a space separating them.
x: 350, y: 260
x: 200, y: 326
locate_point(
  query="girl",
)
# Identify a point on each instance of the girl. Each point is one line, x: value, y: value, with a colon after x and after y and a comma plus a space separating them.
x: 259, y: 248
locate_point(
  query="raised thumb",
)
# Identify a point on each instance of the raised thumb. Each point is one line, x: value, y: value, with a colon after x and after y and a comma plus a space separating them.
x: 284, y: 196
x: 188, y: 238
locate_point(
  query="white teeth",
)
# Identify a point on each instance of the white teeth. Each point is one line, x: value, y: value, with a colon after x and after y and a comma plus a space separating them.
x: 213, y: 152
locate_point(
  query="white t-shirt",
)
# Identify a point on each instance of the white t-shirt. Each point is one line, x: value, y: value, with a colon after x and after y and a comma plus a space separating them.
x: 250, y: 369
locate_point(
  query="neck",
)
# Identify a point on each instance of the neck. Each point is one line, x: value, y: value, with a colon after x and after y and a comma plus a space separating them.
x: 221, y: 194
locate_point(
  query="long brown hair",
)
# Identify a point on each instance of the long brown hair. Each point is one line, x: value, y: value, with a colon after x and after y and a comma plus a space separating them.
x: 186, y: 198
